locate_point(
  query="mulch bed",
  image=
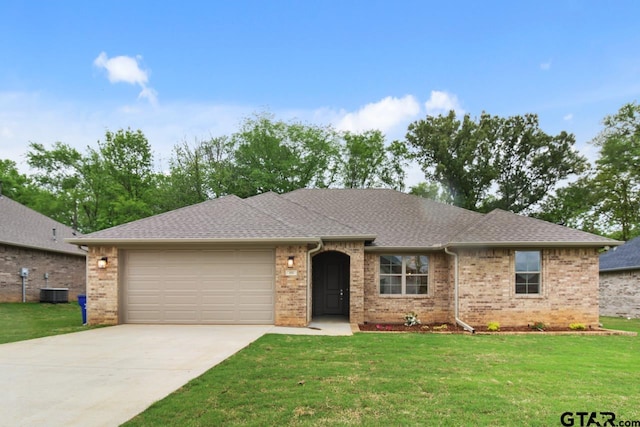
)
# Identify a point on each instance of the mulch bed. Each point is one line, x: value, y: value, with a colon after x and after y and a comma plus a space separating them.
x: 456, y: 329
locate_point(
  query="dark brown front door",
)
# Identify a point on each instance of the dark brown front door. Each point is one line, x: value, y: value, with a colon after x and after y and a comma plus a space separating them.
x: 331, y: 284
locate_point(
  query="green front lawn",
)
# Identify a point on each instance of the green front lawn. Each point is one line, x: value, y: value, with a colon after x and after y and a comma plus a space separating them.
x: 411, y: 379
x: 24, y: 321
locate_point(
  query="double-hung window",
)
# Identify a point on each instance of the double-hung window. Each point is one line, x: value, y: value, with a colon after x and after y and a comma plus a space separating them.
x: 528, y: 269
x: 404, y: 274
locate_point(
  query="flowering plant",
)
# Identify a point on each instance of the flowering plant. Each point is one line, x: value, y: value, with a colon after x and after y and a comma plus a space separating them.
x: 411, y: 319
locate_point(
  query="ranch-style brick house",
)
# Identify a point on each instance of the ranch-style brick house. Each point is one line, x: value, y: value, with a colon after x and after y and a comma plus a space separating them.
x: 370, y: 255
x: 620, y: 280
x: 34, y: 244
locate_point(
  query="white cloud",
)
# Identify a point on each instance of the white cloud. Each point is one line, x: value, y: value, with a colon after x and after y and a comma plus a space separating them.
x: 545, y: 66
x: 441, y: 102
x: 568, y: 117
x: 127, y: 70
x: 383, y: 115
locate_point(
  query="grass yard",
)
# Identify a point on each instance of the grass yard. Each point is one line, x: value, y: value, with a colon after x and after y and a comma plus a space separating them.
x: 412, y: 379
x: 24, y: 321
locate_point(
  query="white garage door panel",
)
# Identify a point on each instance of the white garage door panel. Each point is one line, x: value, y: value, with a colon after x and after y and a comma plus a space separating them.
x: 192, y: 287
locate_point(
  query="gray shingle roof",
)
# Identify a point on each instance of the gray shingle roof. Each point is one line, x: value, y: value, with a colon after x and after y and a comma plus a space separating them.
x: 301, y: 217
x: 500, y: 227
x: 24, y: 227
x: 625, y: 257
x: 228, y: 217
x: 385, y: 218
x: 398, y: 219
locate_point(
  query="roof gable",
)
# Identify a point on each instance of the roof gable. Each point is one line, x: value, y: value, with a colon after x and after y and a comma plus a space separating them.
x: 23, y: 227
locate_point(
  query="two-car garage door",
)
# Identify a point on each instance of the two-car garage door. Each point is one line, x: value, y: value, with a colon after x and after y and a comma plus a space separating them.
x: 198, y: 286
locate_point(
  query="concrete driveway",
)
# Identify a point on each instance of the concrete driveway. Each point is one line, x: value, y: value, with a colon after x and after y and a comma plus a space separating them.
x: 104, y: 377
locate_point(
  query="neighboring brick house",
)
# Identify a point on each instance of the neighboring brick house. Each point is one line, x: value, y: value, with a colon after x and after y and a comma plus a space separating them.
x: 370, y: 255
x: 620, y: 280
x: 35, y: 242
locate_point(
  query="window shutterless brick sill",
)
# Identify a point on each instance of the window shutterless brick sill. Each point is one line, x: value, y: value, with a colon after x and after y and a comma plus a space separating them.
x: 529, y: 296
x: 419, y: 296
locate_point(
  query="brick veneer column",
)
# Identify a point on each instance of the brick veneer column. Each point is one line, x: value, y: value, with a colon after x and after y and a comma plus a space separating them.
x: 291, y: 291
x: 102, y: 287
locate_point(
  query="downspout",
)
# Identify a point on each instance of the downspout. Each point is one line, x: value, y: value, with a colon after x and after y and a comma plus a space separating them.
x: 309, y: 253
x: 455, y: 291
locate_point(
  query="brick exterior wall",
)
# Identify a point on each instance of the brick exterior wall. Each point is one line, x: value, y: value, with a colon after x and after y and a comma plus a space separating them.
x: 620, y: 293
x: 65, y: 271
x: 292, y: 293
x: 355, y: 251
x: 102, y: 287
x: 435, y: 307
x: 486, y: 276
x: 569, y: 288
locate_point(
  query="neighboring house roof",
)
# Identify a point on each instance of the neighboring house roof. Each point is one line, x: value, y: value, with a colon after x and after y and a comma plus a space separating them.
x: 625, y: 257
x: 24, y: 227
x: 385, y: 219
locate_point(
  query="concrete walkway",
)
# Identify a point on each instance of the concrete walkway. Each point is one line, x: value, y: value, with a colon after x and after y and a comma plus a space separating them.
x: 104, y: 377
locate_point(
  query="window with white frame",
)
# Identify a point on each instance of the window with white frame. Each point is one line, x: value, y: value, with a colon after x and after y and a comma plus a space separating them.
x: 528, y: 269
x: 404, y: 274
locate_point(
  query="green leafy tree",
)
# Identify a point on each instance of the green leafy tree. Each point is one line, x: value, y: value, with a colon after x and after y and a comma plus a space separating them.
x: 281, y: 157
x: 199, y: 172
x: 366, y: 161
x: 126, y: 162
x: 456, y: 154
x: 529, y: 163
x: 19, y: 187
x: 59, y: 172
x: 617, y: 178
x: 431, y: 190
x: 493, y: 162
x: 105, y: 187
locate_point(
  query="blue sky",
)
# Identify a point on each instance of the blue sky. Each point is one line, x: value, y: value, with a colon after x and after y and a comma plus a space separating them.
x: 182, y: 71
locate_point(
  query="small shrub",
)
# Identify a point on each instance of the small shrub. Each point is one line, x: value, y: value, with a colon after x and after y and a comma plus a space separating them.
x: 540, y: 326
x: 442, y: 327
x: 411, y: 319
x: 493, y: 326
x: 577, y: 326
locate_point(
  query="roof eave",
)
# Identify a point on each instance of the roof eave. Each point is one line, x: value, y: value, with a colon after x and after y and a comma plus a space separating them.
x: 79, y: 252
x: 135, y: 241
x: 617, y: 269
x: 403, y: 248
x: 535, y: 244
x: 352, y: 237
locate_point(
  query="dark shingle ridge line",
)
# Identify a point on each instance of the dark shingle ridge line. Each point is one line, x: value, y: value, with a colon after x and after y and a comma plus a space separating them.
x: 308, y: 209
x: 481, y: 218
x: 272, y: 214
x: 331, y: 217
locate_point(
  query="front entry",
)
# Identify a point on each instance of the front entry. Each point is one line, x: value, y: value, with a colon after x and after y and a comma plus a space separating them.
x: 331, y: 284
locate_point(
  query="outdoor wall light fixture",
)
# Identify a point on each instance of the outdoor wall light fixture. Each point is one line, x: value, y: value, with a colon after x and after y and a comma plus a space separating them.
x: 290, y: 262
x: 102, y: 262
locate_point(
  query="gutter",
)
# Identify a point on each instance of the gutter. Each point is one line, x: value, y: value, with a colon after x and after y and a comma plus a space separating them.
x: 455, y: 292
x: 178, y: 240
x: 309, y: 253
